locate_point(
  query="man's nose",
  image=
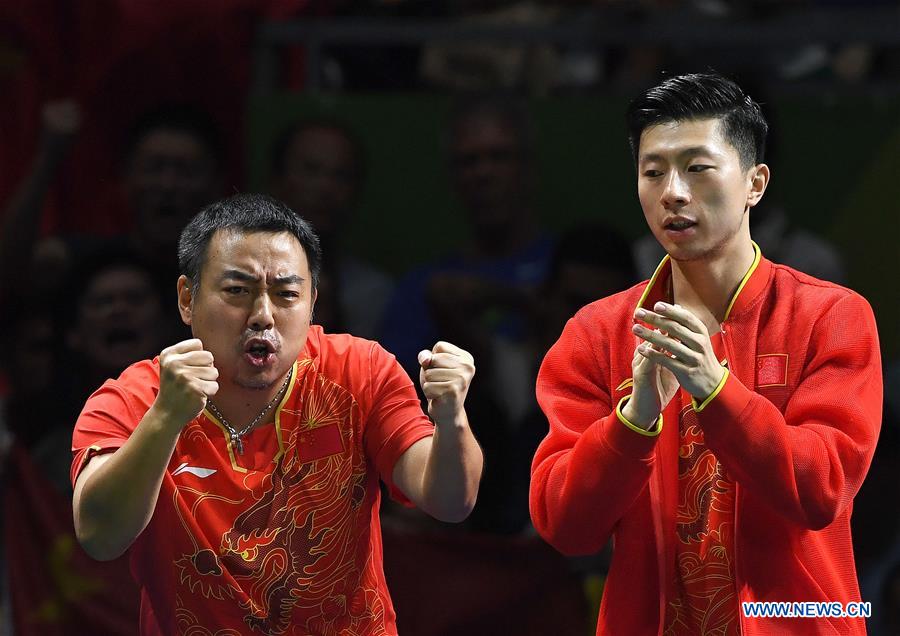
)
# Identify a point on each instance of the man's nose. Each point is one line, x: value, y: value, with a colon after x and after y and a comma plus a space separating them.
x: 676, y: 192
x: 261, y: 317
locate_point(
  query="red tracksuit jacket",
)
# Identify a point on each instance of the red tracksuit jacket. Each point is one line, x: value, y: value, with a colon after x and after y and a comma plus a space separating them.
x: 795, y: 425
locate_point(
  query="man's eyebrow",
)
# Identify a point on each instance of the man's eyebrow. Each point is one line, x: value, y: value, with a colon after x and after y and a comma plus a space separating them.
x: 245, y: 277
x: 692, y: 151
x: 290, y: 279
x: 236, y: 274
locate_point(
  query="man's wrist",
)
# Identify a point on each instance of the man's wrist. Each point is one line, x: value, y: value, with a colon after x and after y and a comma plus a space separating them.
x: 163, y: 421
x: 699, y: 403
x: 456, y: 421
x: 627, y: 414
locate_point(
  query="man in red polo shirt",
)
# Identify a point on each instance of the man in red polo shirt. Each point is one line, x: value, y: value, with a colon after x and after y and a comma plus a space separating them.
x: 717, y: 420
x: 241, y: 468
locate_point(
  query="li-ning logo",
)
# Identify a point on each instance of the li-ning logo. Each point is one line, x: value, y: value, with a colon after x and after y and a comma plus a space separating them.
x: 202, y: 473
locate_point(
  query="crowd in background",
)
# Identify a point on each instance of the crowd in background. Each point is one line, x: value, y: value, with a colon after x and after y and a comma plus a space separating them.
x: 120, y: 123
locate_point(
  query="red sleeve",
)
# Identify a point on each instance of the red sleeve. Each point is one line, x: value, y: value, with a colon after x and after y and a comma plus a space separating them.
x: 590, y: 468
x: 396, y: 420
x: 809, y: 462
x: 111, y: 414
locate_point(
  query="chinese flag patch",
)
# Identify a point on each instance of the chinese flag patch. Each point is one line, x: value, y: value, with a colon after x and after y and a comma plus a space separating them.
x: 771, y: 369
x: 316, y: 443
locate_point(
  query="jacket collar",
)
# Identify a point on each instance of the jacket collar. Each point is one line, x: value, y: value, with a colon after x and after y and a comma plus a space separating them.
x: 659, y: 287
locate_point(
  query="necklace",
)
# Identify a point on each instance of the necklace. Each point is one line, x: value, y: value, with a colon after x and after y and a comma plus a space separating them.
x: 235, y: 435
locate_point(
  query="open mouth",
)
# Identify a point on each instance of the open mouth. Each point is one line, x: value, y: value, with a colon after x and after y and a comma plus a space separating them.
x: 259, y: 351
x: 680, y: 224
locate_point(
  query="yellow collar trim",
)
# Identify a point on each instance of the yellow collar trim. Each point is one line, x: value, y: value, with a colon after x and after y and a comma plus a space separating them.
x: 652, y: 281
x: 284, y: 399
x: 757, y: 256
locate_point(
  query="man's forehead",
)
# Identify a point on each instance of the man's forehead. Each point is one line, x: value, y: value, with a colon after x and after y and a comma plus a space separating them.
x: 683, y: 135
x: 228, y: 247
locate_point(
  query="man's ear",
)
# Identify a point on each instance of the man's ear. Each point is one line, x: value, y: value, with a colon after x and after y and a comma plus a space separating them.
x: 185, y: 299
x: 759, y: 180
x: 312, y: 303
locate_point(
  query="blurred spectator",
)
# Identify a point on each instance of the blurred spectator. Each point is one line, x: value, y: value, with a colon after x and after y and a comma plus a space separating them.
x: 486, y: 287
x: 171, y: 168
x: 318, y: 169
x: 113, y: 319
x: 61, y: 120
x: 519, y: 585
x: 486, y: 290
x: 59, y: 355
x: 590, y: 262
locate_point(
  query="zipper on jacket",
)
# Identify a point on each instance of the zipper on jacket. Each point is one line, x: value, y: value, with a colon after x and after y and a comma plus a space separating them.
x: 737, y: 499
x: 660, y: 545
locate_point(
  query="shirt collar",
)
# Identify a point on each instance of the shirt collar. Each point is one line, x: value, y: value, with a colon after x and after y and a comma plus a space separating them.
x: 659, y: 287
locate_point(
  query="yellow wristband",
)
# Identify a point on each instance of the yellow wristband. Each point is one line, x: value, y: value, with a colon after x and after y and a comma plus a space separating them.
x: 635, y: 427
x: 712, y: 395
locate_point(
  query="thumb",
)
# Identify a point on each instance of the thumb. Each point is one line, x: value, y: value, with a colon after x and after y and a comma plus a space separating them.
x: 424, y: 358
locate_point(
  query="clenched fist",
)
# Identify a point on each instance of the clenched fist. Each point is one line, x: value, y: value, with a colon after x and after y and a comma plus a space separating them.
x: 187, y: 379
x: 445, y: 377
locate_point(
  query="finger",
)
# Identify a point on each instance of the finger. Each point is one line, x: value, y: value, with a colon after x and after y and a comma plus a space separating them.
x: 658, y: 357
x: 433, y: 390
x: 447, y: 347
x: 192, y: 344
x: 204, y: 373
x: 664, y: 343
x: 448, y: 361
x: 640, y: 363
x: 424, y: 358
x: 674, y: 329
x: 445, y: 375
x: 206, y: 387
x: 193, y: 359
x: 680, y: 315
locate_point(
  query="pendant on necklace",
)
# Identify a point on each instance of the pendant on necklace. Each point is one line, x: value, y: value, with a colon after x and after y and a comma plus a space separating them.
x: 238, y: 443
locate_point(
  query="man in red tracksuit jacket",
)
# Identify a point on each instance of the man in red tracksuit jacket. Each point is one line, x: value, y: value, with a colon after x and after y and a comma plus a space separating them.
x: 718, y: 420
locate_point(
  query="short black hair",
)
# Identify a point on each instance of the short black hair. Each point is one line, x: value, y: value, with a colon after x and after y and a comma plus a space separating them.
x: 244, y: 213
x: 701, y: 96
x: 183, y: 118
x: 279, y: 150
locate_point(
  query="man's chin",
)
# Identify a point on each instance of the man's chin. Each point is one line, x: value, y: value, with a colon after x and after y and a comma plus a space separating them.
x: 257, y: 383
x: 681, y: 255
x: 262, y: 380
